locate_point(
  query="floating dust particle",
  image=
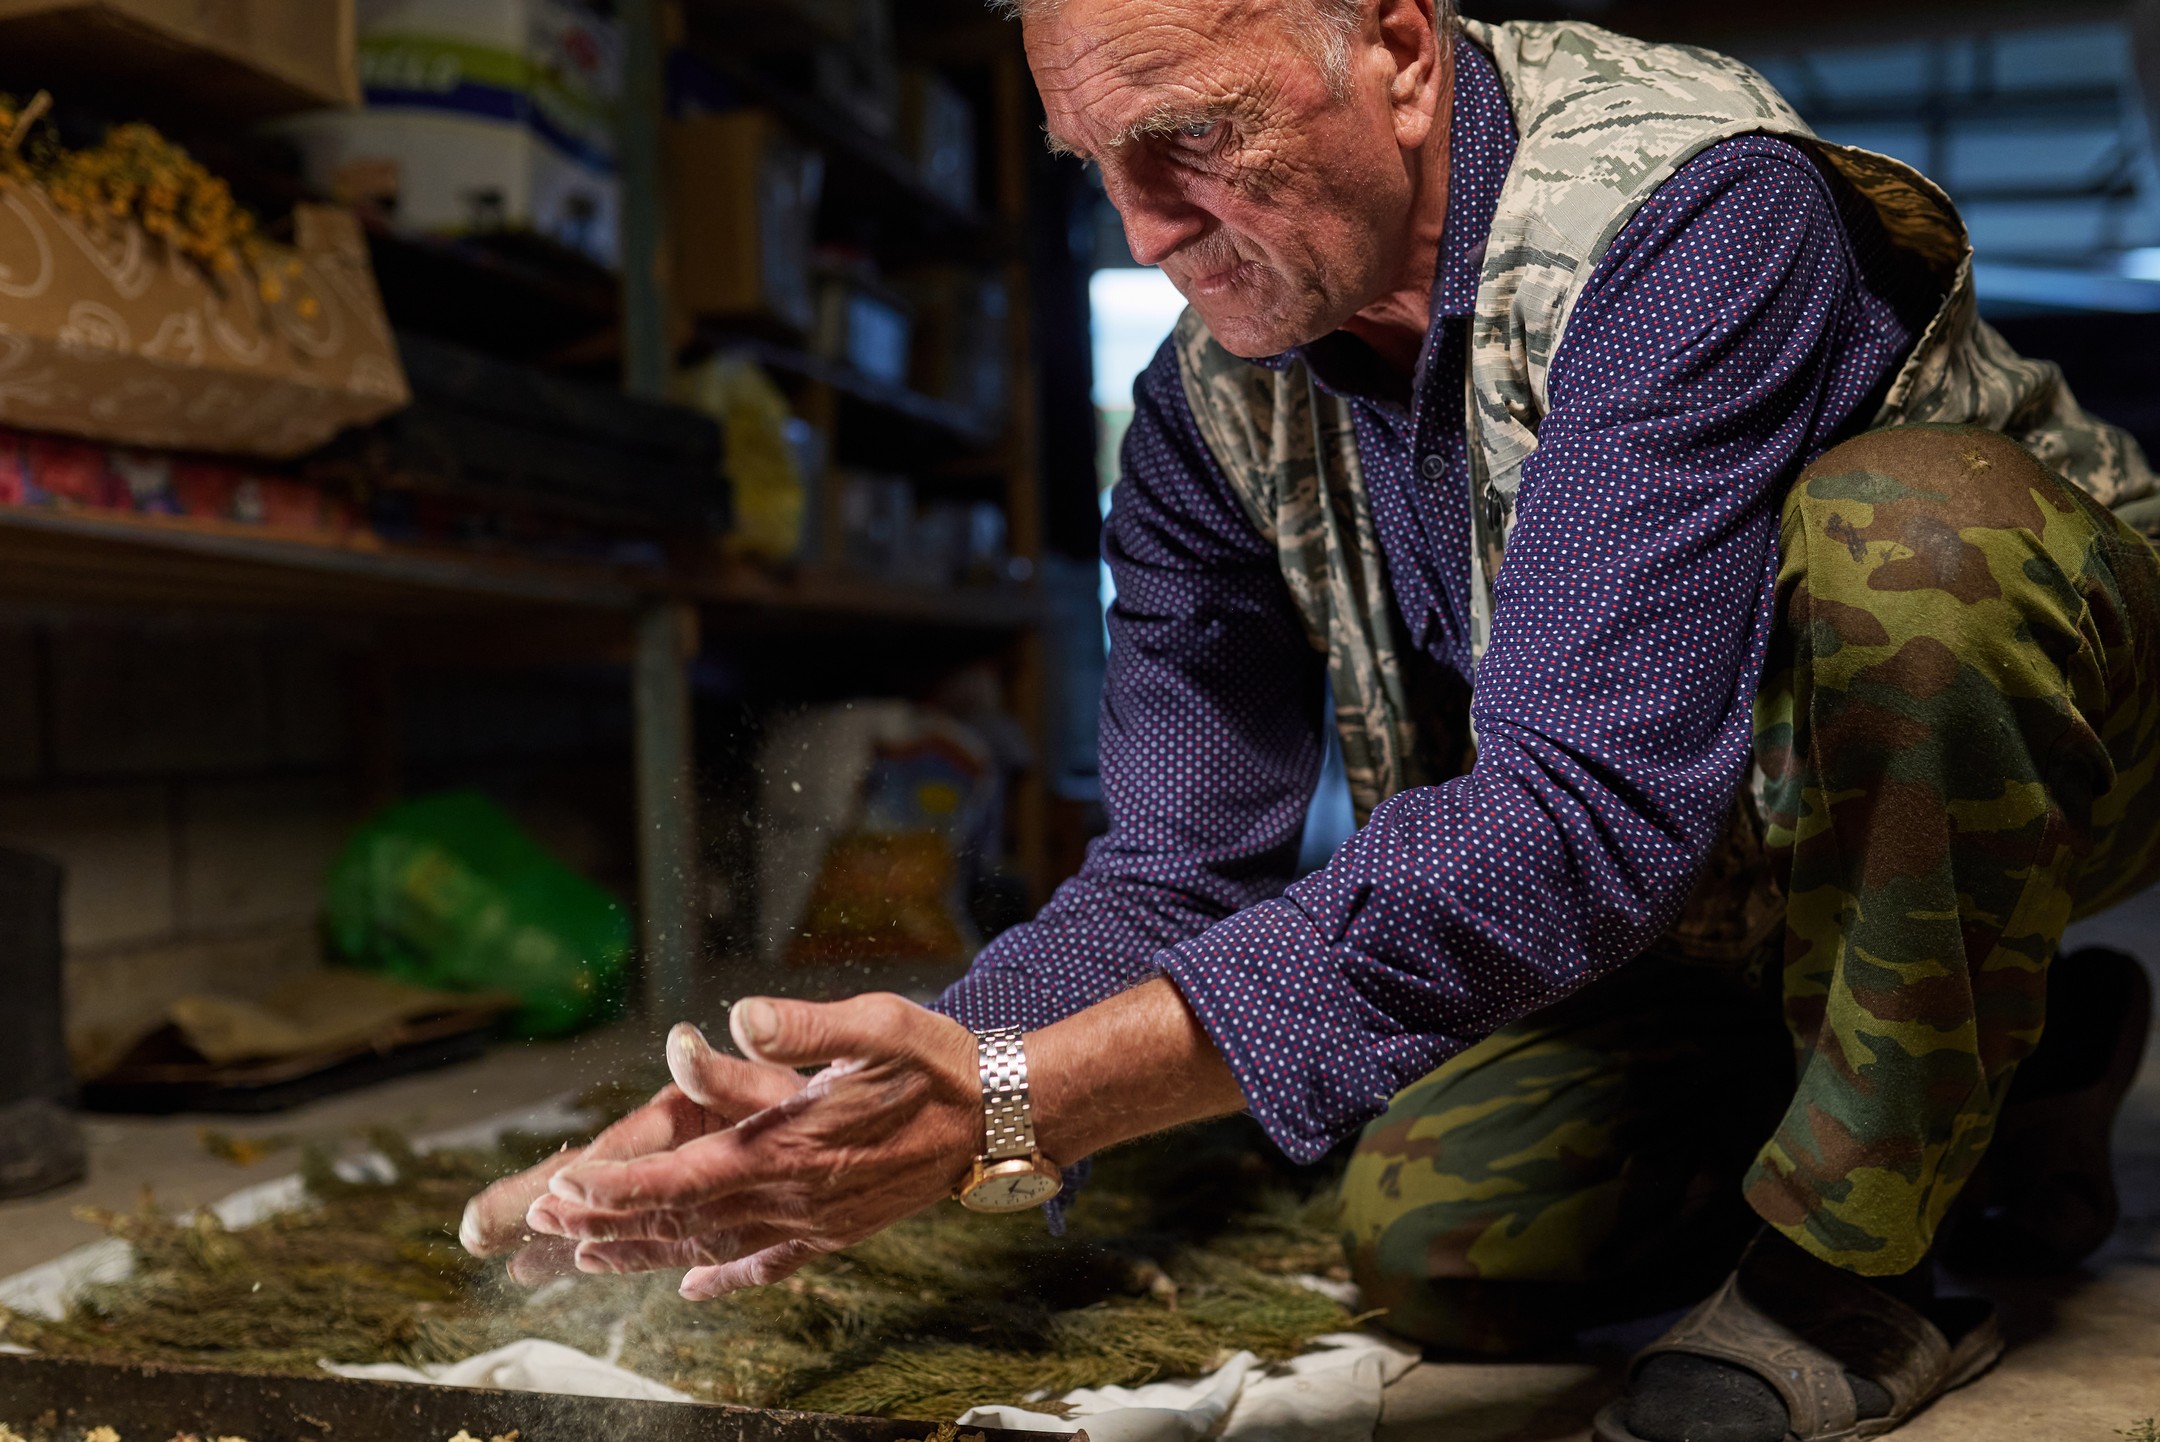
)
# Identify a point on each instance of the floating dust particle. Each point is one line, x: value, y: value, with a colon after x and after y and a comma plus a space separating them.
x: 241, y: 1151
x: 945, y: 1311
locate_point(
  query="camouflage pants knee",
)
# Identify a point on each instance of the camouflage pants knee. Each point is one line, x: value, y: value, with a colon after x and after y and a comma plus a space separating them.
x: 1957, y: 734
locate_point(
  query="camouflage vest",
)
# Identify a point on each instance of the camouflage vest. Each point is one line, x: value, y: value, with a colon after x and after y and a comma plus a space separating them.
x: 1602, y: 121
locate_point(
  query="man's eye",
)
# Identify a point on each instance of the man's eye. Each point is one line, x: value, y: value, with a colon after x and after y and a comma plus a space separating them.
x: 1199, y: 129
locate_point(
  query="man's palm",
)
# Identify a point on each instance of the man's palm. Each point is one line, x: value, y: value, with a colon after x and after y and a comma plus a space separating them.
x: 710, y: 1093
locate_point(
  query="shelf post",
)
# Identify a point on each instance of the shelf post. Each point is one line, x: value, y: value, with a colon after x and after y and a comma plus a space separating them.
x: 666, y: 807
x: 1027, y: 667
x: 644, y: 103
x: 666, y: 630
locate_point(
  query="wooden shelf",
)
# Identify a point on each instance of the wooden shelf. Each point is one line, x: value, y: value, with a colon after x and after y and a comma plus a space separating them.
x: 174, y: 71
x: 770, y: 26
x: 518, y: 296
x: 953, y: 422
x: 87, y: 557
x: 832, y: 597
x: 79, y: 557
x: 857, y: 155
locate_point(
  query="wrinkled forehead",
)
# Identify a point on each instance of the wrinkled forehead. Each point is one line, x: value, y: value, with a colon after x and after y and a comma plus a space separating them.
x: 1109, y: 68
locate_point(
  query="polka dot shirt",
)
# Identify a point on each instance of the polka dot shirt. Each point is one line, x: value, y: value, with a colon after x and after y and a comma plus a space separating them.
x: 1749, y: 316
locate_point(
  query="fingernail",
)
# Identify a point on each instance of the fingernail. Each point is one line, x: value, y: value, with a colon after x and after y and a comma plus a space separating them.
x: 687, y: 1055
x: 754, y: 1024
x: 688, y: 1042
x: 566, y: 1186
x: 468, y: 1229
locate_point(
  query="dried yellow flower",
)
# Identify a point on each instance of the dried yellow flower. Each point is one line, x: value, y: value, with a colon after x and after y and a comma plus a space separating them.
x: 138, y: 176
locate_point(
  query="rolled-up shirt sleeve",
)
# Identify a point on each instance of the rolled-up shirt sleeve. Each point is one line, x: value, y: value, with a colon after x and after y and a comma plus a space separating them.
x: 1210, y: 734
x: 1721, y: 343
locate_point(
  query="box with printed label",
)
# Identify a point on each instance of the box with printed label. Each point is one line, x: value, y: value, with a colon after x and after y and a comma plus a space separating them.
x: 481, y: 116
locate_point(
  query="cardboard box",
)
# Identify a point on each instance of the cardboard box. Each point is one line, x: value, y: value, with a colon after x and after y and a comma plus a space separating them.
x: 742, y: 198
x: 482, y: 115
x: 122, y: 342
x: 236, y: 59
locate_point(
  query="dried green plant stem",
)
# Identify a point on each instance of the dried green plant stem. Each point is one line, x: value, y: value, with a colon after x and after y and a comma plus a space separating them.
x: 944, y: 1312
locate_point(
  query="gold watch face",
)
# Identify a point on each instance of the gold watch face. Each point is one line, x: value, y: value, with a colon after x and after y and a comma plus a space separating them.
x: 1010, y: 1187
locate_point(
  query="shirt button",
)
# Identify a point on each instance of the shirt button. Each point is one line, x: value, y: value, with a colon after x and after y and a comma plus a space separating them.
x: 1433, y: 467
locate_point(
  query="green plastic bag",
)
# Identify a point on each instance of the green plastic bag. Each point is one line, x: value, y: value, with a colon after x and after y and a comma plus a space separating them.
x: 446, y: 891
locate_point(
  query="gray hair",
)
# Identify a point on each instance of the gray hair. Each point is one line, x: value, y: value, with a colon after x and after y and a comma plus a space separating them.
x: 1329, y: 24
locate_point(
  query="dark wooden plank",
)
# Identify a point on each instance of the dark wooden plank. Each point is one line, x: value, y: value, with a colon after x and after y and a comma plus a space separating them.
x: 740, y: 593
x: 508, y: 295
x: 76, y: 555
x: 65, y: 557
x: 51, y: 1400
x: 954, y: 422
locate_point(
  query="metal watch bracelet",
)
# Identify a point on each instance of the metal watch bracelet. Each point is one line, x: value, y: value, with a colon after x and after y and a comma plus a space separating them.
x: 1008, y: 1122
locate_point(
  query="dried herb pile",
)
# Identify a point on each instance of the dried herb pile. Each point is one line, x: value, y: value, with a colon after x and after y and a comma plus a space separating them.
x: 137, y: 176
x: 1176, y: 1255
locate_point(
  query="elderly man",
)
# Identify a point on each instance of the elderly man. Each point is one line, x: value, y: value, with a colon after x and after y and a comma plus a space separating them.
x: 1809, y: 707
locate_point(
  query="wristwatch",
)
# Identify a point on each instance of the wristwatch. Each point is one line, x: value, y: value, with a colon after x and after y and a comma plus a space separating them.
x: 1010, y: 1175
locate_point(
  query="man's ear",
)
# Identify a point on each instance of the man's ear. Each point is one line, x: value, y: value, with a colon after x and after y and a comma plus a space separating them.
x: 1421, y: 66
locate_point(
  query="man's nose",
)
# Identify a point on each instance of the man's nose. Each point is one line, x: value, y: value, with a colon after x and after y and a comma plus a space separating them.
x: 1159, y: 219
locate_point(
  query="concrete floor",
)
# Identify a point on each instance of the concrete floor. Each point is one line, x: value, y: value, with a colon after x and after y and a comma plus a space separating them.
x: 2085, y: 1351
x: 166, y: 1155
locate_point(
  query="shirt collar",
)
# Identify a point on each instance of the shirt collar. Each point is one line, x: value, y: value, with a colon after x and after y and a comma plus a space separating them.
x: 1481, y: 147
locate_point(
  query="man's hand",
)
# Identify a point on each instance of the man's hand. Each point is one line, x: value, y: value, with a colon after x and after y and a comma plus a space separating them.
x: 710, y: 1093
x: 888, y: 1128
x: 742, y: 1171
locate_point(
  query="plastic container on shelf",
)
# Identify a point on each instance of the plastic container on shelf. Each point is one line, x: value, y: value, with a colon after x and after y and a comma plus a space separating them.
x: 482, y: 116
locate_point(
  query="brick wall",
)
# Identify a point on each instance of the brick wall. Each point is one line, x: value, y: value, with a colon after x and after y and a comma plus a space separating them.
x: 193, y: 776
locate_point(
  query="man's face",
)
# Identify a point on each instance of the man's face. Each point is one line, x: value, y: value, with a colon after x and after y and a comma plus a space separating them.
x: 1277, y: 207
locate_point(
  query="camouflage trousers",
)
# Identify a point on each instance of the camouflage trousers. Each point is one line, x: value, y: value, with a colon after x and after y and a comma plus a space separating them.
x: 1957, y: 733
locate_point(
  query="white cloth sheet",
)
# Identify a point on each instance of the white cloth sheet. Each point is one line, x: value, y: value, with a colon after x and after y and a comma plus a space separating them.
x: 528, y: 1366
x: 1328, y: 1395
